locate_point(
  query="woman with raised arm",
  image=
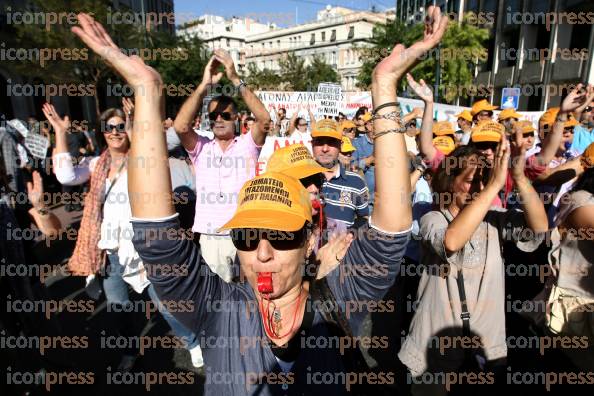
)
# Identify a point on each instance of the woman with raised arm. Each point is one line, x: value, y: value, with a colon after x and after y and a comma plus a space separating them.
x: 263, y: 335
x: 105, y: 229
x: 461, y: 291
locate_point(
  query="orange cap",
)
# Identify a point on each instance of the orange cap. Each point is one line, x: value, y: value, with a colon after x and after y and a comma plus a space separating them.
x: 442, y: 128
x: 587, y: 157
x: 487, y: 131
x: 346, y: 146
x: 465, y: 115
x: 526, y: 126
x: 347, y: 124
x: 549, y: 117
x: 327, y: 128
x: 272, y: 201
x: 509, y: 113
x: 295, y: 161
x: 445, y: 144
x: 366, y: 117
x: 481, y: 105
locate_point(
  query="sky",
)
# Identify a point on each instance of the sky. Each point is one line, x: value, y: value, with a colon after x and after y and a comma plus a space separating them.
x: 282, y: 12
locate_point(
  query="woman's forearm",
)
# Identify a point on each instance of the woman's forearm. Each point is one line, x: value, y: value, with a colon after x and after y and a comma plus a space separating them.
x: 534, y: 211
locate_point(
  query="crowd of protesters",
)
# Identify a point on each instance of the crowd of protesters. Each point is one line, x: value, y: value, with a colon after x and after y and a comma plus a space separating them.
x: 366, y: 197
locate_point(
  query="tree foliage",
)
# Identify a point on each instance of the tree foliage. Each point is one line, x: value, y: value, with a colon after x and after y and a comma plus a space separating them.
x: 461, y: 49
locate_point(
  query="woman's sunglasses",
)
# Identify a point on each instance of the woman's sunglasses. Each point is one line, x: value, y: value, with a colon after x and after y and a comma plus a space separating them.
x: 528, y: 134
x: 248, y: 239
x: 484, y: 146
x: 120, y: 128
x: 225, y: 115
x: 568, y: 130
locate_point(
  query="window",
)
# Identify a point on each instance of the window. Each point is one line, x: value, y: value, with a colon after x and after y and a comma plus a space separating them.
x: 312, y: 40
x: 323, y: 36
x: 277, y: 43
x: 351, y: 32
x: 228, y: 43
x: 333, y: 35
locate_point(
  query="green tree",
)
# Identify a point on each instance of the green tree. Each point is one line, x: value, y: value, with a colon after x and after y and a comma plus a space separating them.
x: 462, y: 47
x: 319, y: 71
x: 262, y: 80
x: 293, y: 73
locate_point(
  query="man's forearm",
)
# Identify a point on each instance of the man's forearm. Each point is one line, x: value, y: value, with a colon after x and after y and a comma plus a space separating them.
x: 187, y: 113
x: 533, y: 208
x: 256, y: 106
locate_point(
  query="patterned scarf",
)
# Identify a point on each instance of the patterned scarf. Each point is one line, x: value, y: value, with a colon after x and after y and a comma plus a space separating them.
x: 87, y: 258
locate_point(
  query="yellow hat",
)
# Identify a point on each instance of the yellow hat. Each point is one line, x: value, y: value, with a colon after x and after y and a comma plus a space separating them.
x: 347, y: 146
x: 295, y: 161
x: 549, y: 117
x: 272, y: 201
x: 442, y: 128
x: 526, y: 126
x: 481, y: 105
x: 487, y: 131
x: 587, y: 157
x: 327, y: 128
x: 465, y: 115
x: 347, y: 124
x: 366, y: 117
x: 445, y: 144
x: 509, y: 113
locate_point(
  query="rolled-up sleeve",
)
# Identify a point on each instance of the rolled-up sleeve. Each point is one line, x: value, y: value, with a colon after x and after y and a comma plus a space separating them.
x: 67, y: 173
x: 176, y: 270
x: 433, y: 227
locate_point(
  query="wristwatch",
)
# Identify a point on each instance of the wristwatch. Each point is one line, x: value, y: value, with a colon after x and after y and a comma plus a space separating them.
x: 238, y: 87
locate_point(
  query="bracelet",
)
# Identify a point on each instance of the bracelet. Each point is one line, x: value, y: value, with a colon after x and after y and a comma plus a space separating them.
x: 389, y: 104
x: 393, y: 130
x: 42, y: 211
x: 393, y: 116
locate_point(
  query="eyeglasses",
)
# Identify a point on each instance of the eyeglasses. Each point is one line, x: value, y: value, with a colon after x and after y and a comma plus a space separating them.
x: 316, y: 179
x: 528, y: 134
x: 411, y: 125
x: 588, y: 109
x: 225, y: 115
x: 568, y: 130
x: 248, y: 239
x: 120, y: 128
x: 484, y: 146
x: 301, y: 125
x: 347, y: 154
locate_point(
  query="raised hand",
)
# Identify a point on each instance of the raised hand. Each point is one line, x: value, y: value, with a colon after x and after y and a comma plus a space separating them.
x: 225, y: 59
x: 519, y: 146
x: 131, y: 68
x: 498, y: 175
x: 421, y: 89
x: 402, y: 59
x: 331, y: 253
x: 577, y: 98
x: 35, y: 190
x: 60, y: 125
x: 211, y: 74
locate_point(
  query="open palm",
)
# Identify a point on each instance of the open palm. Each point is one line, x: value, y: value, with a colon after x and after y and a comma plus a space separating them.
x: 59, y: 124
x: 402, y: 59
x: 131, y: 68
x: 421, y: 89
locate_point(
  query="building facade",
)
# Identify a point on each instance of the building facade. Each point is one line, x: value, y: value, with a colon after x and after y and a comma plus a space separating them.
x: 539, y: 46
x: 336, y: 35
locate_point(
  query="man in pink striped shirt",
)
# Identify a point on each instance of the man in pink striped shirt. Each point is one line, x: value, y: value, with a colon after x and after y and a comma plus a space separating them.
x: 222, y: 164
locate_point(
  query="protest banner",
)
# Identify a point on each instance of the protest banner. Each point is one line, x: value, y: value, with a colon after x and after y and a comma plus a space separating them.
x: 37, y: 145
x: 329, y: 100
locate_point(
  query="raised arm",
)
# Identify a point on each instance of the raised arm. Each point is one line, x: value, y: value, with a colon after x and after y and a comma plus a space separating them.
x: 589, y: 99
x: 574, y: 100
x: 47, y: 222
x: 422, y: 90
x: 534, y: 211
x: 60, y: 126
x: 184, y: 120
x: 312, y: 119
x: 461, y: 229
x: 392, y: 211
x: 149, y: 183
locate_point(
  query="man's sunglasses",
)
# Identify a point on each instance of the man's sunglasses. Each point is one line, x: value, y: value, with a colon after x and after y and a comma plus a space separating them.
x: 248, y: 239
x: 568, y: 130
x: 317, y: 180
x: 484, y: 146
x: 225, y: 115
x: 120, y: 128
x: 528, y: 134
x: 588, y: 109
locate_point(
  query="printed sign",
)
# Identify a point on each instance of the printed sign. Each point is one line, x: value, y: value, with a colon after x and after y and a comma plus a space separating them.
x: 37, y: 145
x: 329, y: 100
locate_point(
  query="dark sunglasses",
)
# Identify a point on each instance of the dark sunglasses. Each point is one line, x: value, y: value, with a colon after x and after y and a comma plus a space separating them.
x: 528, y: 134
x: 484, y: 146
x: 301, y: 125
x: 568, y: 130
x: 588, y: 109
x: 120, y: 128
x: 225, y: 115
x: 248, y: 239
x: 317, y: 180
